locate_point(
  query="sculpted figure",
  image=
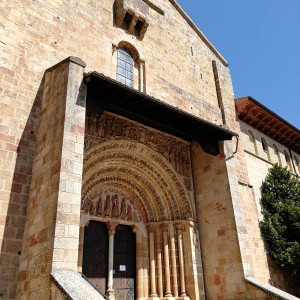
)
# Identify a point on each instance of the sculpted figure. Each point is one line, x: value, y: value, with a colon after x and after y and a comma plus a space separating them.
x: 107, y: 206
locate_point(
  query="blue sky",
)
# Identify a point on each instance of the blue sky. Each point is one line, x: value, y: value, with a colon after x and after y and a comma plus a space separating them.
x: 261, y: 41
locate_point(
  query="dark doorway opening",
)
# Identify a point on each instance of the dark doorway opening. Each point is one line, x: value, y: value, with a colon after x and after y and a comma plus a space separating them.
x: 124, y: 263
x: 95, y: 254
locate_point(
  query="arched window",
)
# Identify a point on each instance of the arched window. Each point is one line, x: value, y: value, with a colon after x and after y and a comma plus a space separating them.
x: 288, y: 160
x: 297, y: 164
x: 265, y: 148
x: 253, y: 140
x: 276, y: 151
x: 125, y: 66
x: 130, y: 66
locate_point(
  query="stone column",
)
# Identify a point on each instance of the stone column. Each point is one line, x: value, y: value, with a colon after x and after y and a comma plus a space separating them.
x: 153, y: 293
x: 111, y: 234
x: 139, y: 264
x: 146, y: 265
x: 142, y: 84
x: 181, y: 262
x: 192, y: 267
x: 173, y: 263
x: 159, y: 262
x: 168, y: 294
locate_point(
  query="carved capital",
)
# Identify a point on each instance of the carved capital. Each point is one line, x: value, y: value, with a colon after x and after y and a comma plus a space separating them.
x: 165, y: 227
x: 190, y: 224
x: 179, y: 227
x: 111, y: 226
x: 141, y: 63
x: 135, y: 229
x: 150, y: 228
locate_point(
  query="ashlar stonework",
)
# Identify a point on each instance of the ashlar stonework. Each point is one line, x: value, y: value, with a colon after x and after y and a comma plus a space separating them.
x: 110, y: 180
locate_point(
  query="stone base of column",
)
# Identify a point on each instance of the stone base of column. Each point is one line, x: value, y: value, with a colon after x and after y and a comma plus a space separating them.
x: 110, y: 293
x: 153, y: 298
x: 183, y: 298
x: 168, y: 298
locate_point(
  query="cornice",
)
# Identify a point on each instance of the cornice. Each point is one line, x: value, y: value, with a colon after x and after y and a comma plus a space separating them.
x: 253, y: 113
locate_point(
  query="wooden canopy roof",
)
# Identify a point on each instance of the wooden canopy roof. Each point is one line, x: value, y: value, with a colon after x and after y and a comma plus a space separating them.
x: 104, y: 93
x: 264, y: 120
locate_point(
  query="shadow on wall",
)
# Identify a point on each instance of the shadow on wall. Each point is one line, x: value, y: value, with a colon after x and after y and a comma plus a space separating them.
x: 282, y: 278
x: 14, y: 223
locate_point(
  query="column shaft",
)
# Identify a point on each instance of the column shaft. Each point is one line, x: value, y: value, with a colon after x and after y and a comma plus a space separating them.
x: 139, y: 266
x: 166, y: 261
x: 181, y: 261
x: 173, y: 264
x: 141, y: 76
x: 111, y: 235
x: 153, y: 292
x: 110, y: 261
x: 159, y: 263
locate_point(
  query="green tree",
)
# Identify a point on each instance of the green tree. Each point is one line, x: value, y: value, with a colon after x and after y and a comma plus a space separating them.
x: 280, y: 227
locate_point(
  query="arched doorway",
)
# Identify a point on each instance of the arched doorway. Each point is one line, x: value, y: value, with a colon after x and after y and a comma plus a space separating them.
x: 124, y: 263
x: 141, y: 179
x: 96, y: 254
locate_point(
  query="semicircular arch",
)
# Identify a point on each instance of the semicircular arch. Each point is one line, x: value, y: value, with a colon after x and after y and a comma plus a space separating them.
x: 149, y: 179
x: 131, y: 49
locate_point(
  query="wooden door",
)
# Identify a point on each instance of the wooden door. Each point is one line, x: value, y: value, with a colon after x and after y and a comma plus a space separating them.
x: 95, y: 254
x: 124, y: 263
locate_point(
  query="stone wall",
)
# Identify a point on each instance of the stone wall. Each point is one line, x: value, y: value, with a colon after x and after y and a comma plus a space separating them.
x: 258, y: 162
x: 52, y: 224
x: 222, y: 261
x: 36, y: 35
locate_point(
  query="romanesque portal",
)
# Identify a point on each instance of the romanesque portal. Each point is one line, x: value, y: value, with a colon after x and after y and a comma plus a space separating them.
x: 139, y: 230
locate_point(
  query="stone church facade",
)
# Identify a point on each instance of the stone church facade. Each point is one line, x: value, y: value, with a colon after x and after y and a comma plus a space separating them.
x: 122, y: 159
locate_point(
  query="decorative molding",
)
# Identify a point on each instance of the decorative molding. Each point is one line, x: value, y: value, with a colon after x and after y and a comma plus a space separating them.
x: 165, y: 227
x: 111, y: 206
x: 132, y: 172
x: 111, y: 227
x: 179, y: 226
x: 108, y: 126
x: 256, y: 115
x: 139, y: 174
x: 255, y: 155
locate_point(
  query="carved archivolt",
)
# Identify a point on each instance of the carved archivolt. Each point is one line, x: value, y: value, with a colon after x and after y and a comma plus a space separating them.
x: 148, y: 180
x: 148, y: 168
x: 109, y: 126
